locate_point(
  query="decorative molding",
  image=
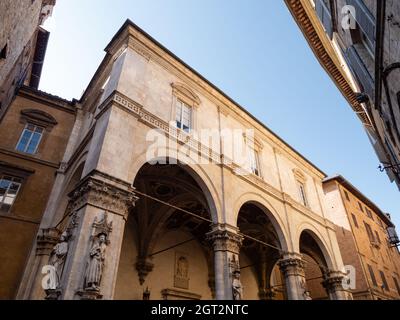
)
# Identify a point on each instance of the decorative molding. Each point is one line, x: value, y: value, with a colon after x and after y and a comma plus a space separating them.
x: 184, y: 93
x: 103, y: 195
x: 39, y: 118
x: 183, y: 295
x: 299, y: 175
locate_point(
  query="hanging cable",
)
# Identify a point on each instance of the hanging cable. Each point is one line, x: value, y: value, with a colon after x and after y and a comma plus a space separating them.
x: 210, y: 221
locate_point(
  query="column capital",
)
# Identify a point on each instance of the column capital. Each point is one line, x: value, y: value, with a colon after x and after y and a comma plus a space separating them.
x: 333, y: 281
x: 292, y: 263
x: 105, y: 193
x: 225, y: 238
x: 46, y: 240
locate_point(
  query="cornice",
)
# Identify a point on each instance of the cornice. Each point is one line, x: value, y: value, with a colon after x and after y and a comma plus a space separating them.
x: 317, y: 39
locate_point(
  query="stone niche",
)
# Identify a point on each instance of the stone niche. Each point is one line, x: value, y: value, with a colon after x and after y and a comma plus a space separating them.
x: 181, y: 274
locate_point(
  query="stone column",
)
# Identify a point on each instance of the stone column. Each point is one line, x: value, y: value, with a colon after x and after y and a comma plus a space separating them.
x: 292, y: 266
x: 333, y: 283
x: 101, y: 205
x: 226, y: 243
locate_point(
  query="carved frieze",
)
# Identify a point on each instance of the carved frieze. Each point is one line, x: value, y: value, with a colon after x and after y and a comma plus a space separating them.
x: 98, y: 193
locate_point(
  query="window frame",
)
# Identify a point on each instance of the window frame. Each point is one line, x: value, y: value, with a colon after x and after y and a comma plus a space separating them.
x: 355, y: 222
x: 254, y: 161
x: 372, y: 275
x: 3, y: 176
x: 182, y: 107
x: 30, y: 138
x: 303, y: 193
x: 385, y: 284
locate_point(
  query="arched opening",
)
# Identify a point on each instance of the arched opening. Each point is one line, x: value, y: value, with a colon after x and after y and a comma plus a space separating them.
x: 315, y: 266
x: 164, y: 253
x: 260, y: 275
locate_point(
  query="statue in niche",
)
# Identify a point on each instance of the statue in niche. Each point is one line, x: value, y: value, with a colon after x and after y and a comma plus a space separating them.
x: 182, y: 267
x: 57, y: 260
x: 95, y: 264
x: 237, y: 287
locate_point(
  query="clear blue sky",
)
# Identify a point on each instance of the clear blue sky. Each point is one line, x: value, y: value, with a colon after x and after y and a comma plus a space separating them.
x: 252, y: 50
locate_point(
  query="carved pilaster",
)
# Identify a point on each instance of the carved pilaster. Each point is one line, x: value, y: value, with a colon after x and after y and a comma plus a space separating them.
x: 99, y: 193
x: 46, y: 240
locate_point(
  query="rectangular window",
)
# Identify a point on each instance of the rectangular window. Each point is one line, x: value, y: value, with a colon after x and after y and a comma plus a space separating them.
x: 9, y: 187
x: 346, y: 194
x: 384, y: 282
x: 30, y: 139
x: 360, y: 206
x: 369, y: 232
x: 303, y: 195
x: 369, y: 213
x: 254, y: 162
x: 355, y: 220
x: 322, y: 7
x: 183, y: 116
x: 377, y: 237
x: 372, y: 275
x: 396, y: 283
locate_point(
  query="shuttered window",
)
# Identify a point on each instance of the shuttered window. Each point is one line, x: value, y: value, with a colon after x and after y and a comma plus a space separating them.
x: 324, y: 13
x: 361, y: 71
x: 365, y: 19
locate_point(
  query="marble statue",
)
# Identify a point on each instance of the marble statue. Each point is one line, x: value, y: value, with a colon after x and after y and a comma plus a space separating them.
x: 237, y: 287
x: 57, y: 260
x: 95, y: 264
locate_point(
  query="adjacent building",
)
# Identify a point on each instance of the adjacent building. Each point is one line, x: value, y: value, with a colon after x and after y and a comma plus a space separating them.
x: 23, y: 43
x: 358, y: 44
x: 35, y: 130
x: 367, y: 240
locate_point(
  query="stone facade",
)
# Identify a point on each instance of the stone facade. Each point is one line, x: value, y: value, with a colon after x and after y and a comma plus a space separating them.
x: 361, y: 229
x: 357, y: 42
x: 181, y: 229
x: 21, y: 41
